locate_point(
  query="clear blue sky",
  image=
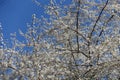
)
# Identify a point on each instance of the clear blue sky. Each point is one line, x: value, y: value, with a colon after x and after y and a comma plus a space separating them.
x: 14, y: 14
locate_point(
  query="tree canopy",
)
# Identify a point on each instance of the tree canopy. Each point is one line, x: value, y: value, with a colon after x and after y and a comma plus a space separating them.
x: 78, y: 40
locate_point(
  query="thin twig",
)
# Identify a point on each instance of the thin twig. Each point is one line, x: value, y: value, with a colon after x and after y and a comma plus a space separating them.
x: 101, y: 32
x: 77, y: 25
x: 98, y: 19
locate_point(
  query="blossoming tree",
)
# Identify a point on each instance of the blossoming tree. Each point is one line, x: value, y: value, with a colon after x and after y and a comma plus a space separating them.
x: 79, y: 40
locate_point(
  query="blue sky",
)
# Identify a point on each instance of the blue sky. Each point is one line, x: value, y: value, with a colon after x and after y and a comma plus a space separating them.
x: 14, y: 14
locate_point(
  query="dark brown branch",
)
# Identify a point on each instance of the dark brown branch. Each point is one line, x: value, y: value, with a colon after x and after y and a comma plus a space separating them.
x: 77, y: 25
x: 106, y: 23
x: 73, y: 57
x: 98, y: 19
x: 101, y: 32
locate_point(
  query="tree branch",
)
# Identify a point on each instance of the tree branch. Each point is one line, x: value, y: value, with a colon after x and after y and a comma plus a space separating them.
x: 101, y: 32
x: 77, y: 25
x: 98, y: 19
